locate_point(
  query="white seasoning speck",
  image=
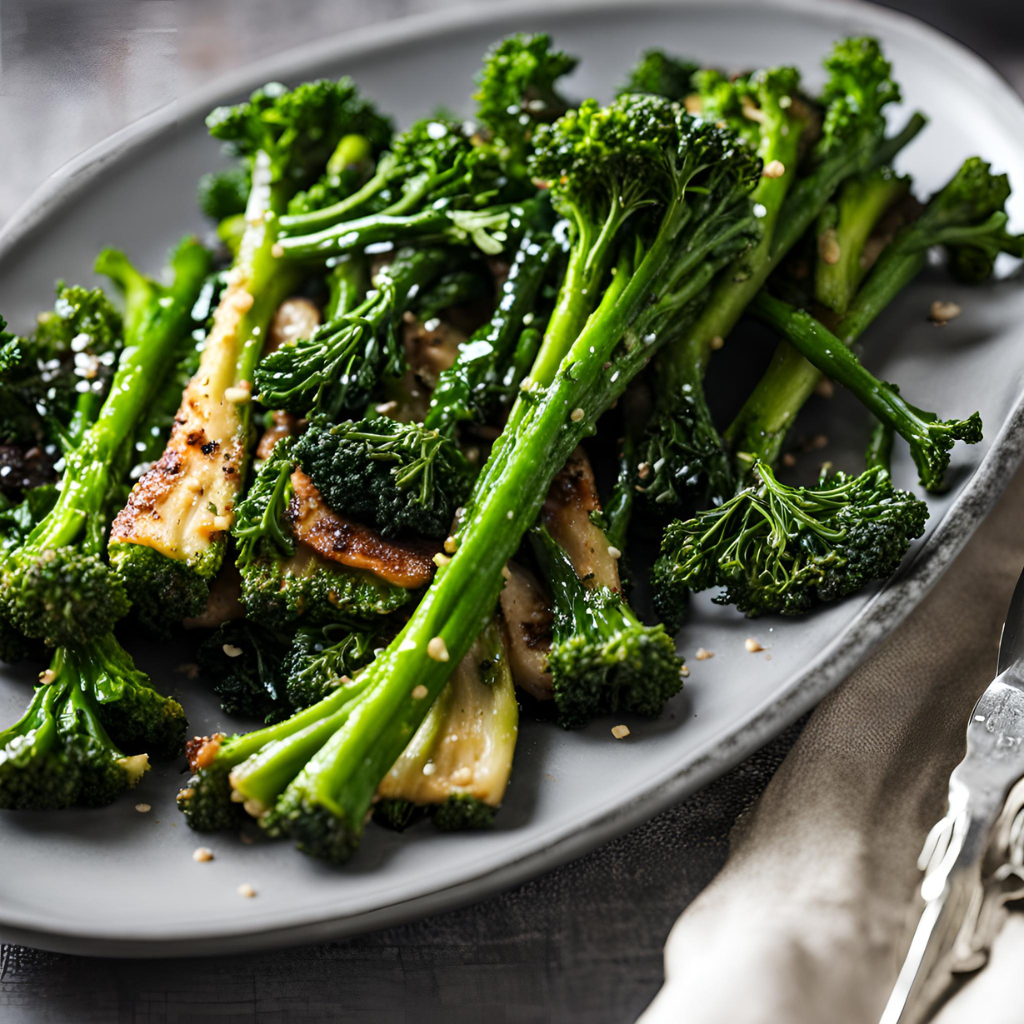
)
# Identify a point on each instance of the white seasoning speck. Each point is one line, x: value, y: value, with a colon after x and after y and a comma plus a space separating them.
x: 46, y: 677
x: 437, y: 649
x: 231, y: 650
x: 419, y: 692
x: 620, y: 732
x: 752, y: 645
x: 239, y: 395
x: 386, y: 408
x: 941, y: 312
x: 703, y: 654
x: 277, y: 250
x: 510, y: 514
x: 143, y: 808
x: 828, y: 247
x: 614, y: 552
x: 429, y: 768
x: 576, y: 415
x: 246, y: 890
x: 201, y: 854
x: 684, y: 672
x: 774, y: 169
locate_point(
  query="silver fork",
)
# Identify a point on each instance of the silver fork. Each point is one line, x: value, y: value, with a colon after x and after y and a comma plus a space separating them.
x: 973, y: 858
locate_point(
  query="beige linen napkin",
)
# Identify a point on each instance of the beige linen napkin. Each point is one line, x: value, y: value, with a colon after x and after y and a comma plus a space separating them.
x: 810, y: 918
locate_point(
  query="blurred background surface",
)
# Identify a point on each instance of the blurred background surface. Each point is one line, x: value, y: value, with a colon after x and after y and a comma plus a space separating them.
x: 581, y: 944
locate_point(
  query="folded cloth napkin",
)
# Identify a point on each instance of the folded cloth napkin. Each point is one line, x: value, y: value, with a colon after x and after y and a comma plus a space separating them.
x: 812, y: 914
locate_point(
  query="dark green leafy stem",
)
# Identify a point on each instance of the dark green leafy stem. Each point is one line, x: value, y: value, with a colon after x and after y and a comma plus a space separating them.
x: 930, y: 438
x: 261, y: 527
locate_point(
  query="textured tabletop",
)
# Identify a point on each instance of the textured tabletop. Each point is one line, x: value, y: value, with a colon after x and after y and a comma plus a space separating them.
x: 582, y: 943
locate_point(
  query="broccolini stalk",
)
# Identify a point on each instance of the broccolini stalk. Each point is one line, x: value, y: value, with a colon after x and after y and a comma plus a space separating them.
x: 457, y: 765
x: 436, y: 182
x: 844, y: 227
x: 56, y: 586
x: 171, y: 536
x: 930, y: 438
x: 698, y: 217
x: 784, y: 549
x: 491, y: 364
x: 967, y: 217
x: 682, y: 440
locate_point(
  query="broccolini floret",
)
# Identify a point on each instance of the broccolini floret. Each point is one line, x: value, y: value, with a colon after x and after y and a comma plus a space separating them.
x: 657, y: 73
x: 776, y: 548
x: 55, y: 586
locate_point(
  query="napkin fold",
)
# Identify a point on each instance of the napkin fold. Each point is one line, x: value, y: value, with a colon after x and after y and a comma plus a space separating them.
x: 811, y: 916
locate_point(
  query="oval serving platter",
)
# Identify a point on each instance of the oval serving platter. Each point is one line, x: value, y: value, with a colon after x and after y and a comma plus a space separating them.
x: 128, y: 884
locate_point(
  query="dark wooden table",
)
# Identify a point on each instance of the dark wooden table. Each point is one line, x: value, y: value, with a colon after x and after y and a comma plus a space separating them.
x: 582, y: 943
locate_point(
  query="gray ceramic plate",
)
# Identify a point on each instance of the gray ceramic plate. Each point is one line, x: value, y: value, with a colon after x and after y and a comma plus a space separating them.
x: 119, y: 882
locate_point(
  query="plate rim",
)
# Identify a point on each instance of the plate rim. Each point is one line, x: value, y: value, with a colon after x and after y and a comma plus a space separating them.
x: 878, y: 618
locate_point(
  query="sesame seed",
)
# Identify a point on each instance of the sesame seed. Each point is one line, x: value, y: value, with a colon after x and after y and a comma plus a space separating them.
x: 620, y: 732
x: 201, y: 854
x: 767, y: 657
x: 941, y: 312
x: 419, y: 692
x: 231, y: 650
x: 441, y: 559
x: 703, y: 655
x: 239, y: 395
x: 506, y: 572
x: 222, y: 522
x: 143, y: 808
x: 614, y: 552
x: 752, y: 645
x: 277, y: 250
x: 246, y: 890
x: 449, y: 545
x: 437, y: 649
x: 429, y: 768
x: 643, y: 470
x: 576, y: 415
x: 717, y: 342
x: 828, y: 247
x: 774, y: 169
x: 47, y: 677
x: 684, y: 671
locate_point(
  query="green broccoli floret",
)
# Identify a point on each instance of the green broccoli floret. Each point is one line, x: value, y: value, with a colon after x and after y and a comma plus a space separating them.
x: 320, y: 658
x: 241, y: 663
x: 53, y: 382
x: 55, y: 586
x: 224, y: 193
x: 68, y: 747
x: 402, y: 479
x: 603, y: 659
x: 784, y: 549
x: 517, y: 89
x: 657, y: 73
